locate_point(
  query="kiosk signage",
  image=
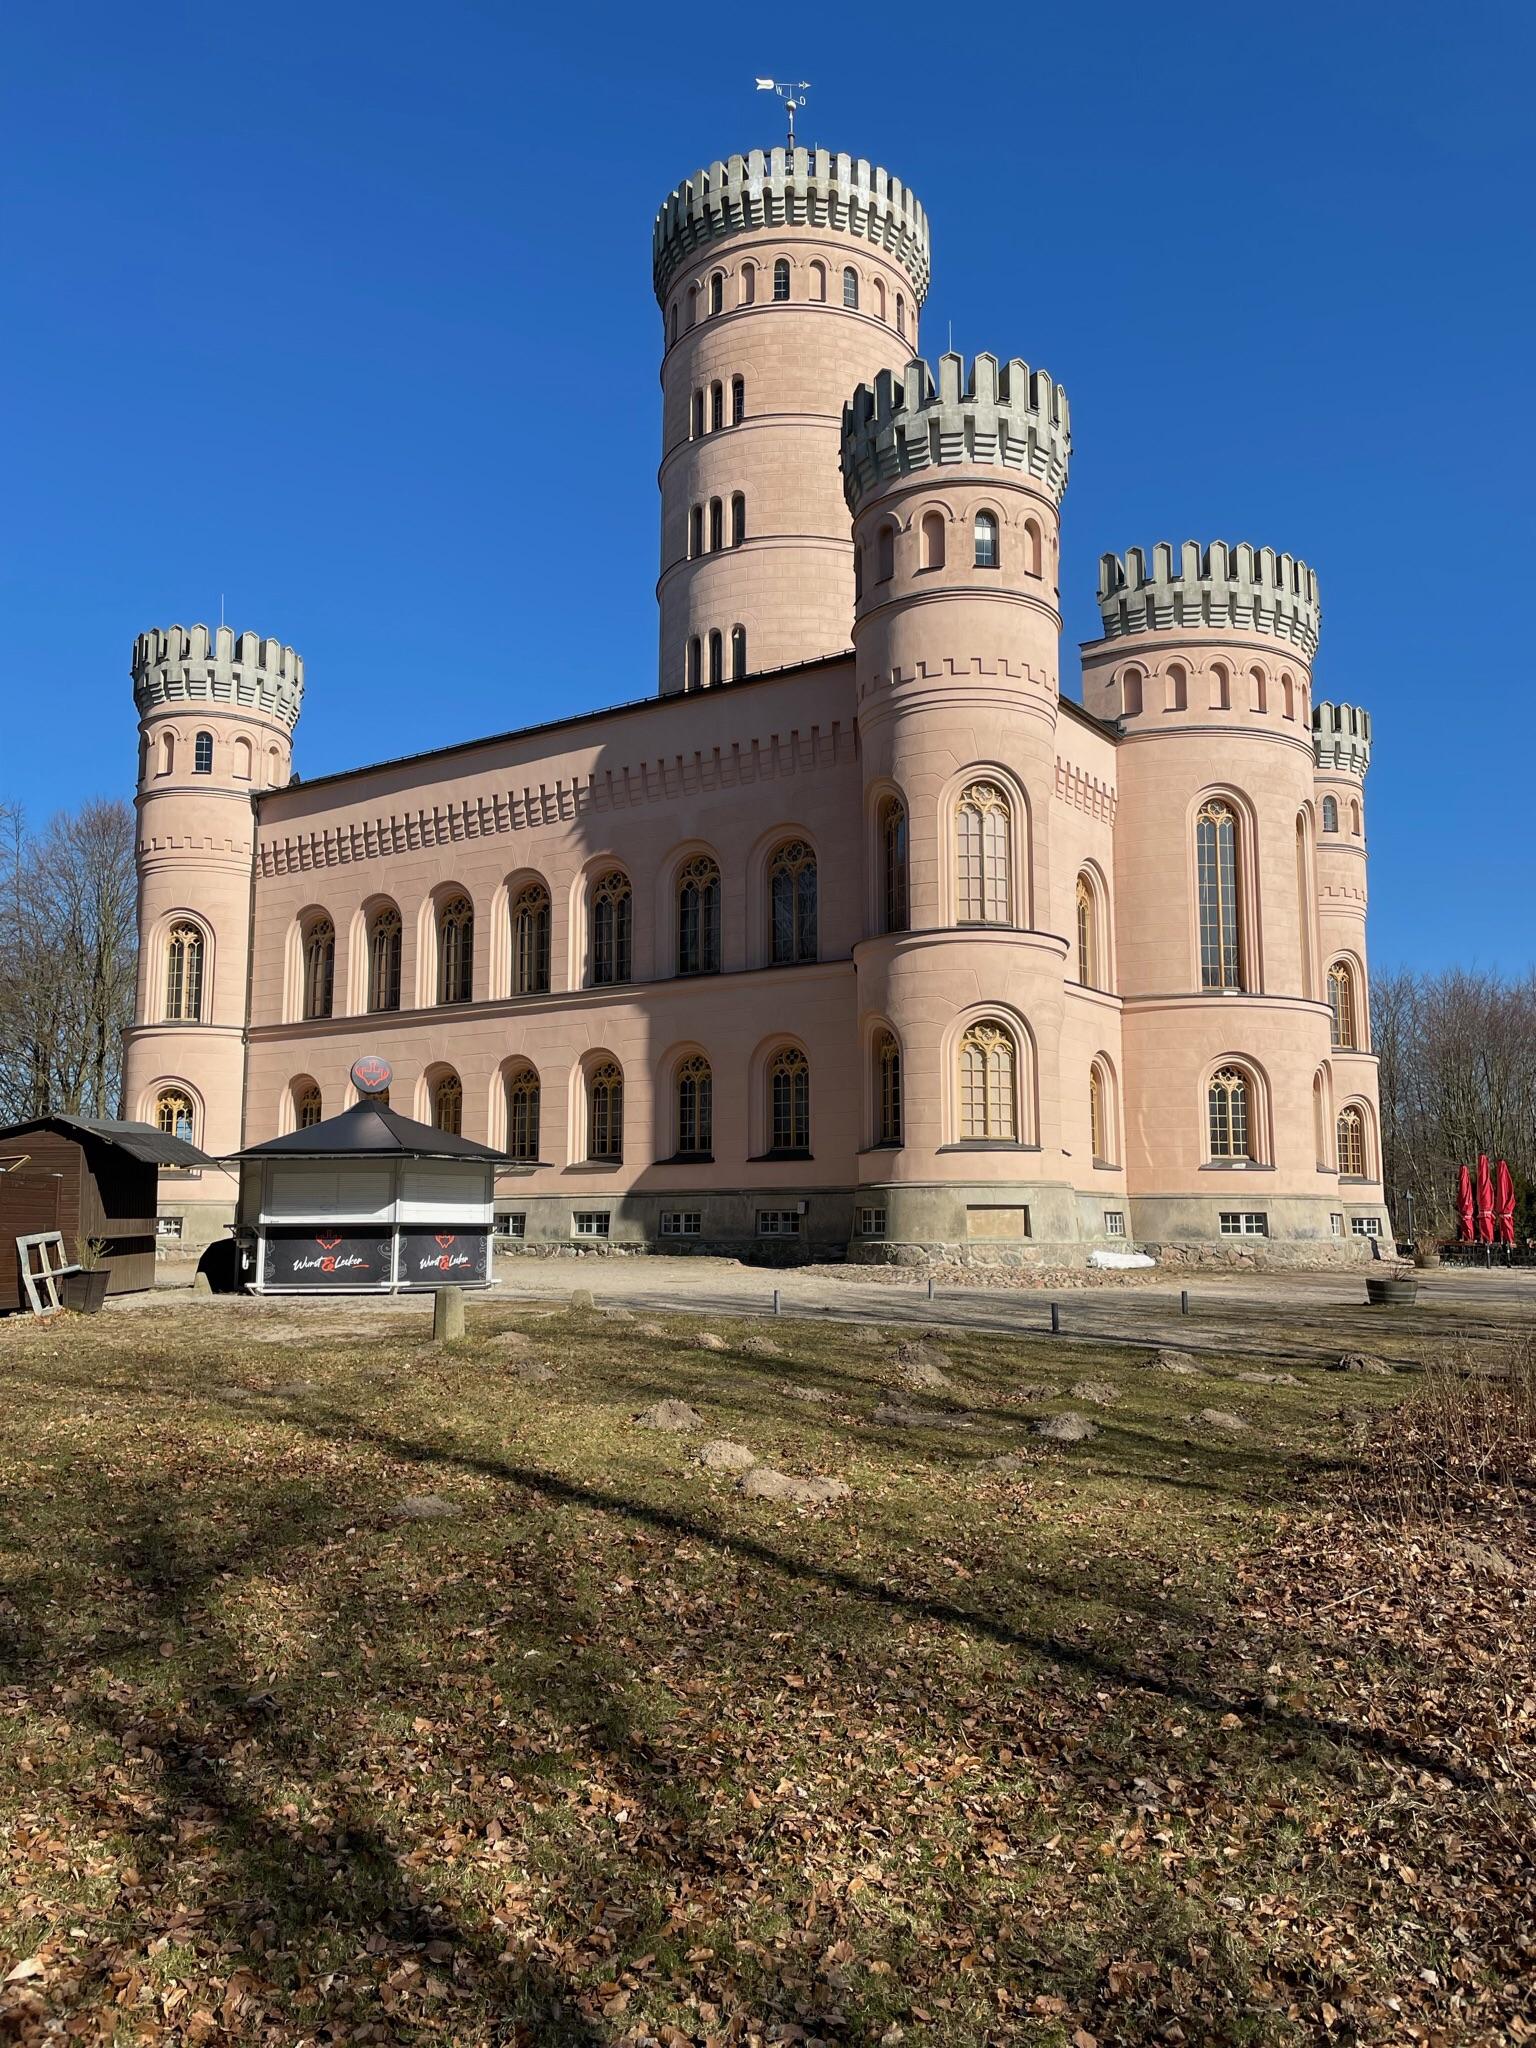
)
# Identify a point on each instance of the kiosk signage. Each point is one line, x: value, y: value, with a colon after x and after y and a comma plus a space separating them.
x: 327, y: 1259
x: 444, y: 1258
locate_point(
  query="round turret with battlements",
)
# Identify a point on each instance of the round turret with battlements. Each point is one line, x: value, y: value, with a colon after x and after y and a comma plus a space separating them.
x: 785, y: 278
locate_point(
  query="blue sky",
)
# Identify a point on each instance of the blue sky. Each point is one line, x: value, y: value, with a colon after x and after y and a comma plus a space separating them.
x: 344, y: 312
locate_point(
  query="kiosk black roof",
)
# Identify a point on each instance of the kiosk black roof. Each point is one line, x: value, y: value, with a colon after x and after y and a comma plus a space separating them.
x: 368, y: 1130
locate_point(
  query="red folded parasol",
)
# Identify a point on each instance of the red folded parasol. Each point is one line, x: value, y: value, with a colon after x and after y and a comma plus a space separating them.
x: 1504, y: 1201
x: 1466, y: 1229
x: 1484, y: 1200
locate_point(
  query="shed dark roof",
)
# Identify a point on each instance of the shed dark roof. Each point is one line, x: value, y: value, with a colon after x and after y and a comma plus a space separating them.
x: 367, y: 1130
x: 139, y: 1141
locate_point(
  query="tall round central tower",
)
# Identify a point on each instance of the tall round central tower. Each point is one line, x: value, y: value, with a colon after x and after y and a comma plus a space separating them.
x: 786, y: 278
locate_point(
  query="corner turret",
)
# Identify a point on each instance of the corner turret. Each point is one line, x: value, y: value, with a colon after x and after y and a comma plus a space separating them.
x: 1003, y: 416
x: 1238, y: 589
x: 1341, y: 738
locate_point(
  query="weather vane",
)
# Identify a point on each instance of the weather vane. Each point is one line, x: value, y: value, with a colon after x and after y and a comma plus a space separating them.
x: 792, y: 93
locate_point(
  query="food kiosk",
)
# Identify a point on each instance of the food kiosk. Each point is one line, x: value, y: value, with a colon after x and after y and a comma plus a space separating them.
x: 368, y: 1202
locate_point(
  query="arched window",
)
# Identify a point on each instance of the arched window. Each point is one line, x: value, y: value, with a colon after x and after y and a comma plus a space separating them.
x: 692, y: 676
x: 1351, y: 1137
x: 989, y: 1094
x: 448, y: 1105
x: 1341, y: 1002
x: 1221, y: 687
x: 530, y: 940
x: 1131, y: 697
x: 1087, y: 934
x: 1228, y: 1104
x: 693, y: 305
x: 672, y: 323
x: 738, y: 652
x: 695, y: 532
x: 612, y: 923
x: 173, y: 1114
x: 894, y: 901
x: 1320, y: 1115
x: 1288, y: 694
x: 781, y: 279
x: 244, y: 759
x: 320, y: 968
x: 716, y: 658
x: 202, y: 754
x: 184, y: 974
x: 792, y: 902
x: 901, y: 315
x: 522, y: 1113
x: 932, y: 531
x: 1354, y: 817
x: 748, y: 284
x: 982, y: 822
x: 455, y: 951
x: 789, y: 1101
x: 1177, y: 697
x: 696, y: 415
x: 879, y: 299
x: 1034, y: 548
x: 1330, y: 814
x: 738, y: 519
x: 698, y: 917
x: 695, y: 1107
x: 1258, y: 690
x: 1305, y: 900
x: 384, y: 960
x: 307, y: 1107
x: 819, y: 283
x: 716, y: 525
x: 605, y: 1112
x: 986, y: 540
x: 887, y: 1089
x: 738, y: 400
x: 716, y: 407
x: 885, y: 554
x: 1221, y: 960
x: 717, y: 292
x: 858, y: 573
x: 850, y: 288
x: 1102, y: 1138
x: 167, y: 752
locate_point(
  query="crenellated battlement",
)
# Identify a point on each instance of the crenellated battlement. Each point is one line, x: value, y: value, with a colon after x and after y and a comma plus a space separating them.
x: 791, y: 188
x: 1341, y: 737
x: 202, y: 665
x: 994, y: 415
x: 1243, y: 589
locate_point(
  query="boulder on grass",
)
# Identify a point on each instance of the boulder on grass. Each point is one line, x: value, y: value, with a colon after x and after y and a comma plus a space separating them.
x: 581, y: 1298
x: 720, y: 1454
x: 670, y: 1414
x: 763, y: 1483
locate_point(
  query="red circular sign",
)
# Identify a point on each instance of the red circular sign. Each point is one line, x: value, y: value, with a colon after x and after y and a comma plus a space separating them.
x: 371, y: 1075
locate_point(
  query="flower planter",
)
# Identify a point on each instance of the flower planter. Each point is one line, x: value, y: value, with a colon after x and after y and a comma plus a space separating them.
x: 85, y: 1292
x: 1394, y: 1293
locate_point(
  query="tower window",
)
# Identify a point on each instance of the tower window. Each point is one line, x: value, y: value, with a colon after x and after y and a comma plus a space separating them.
x: 738, y: 652
x: 885, y: 554
x: 1330, y: 814
x: 851, y: 288
x: 1351, y: 1135
x: 612, y: 927
x: 716, y: 407
x: 982, y: 826
x: 696, y: 532
x: 819, y: 283
x: 695, y: 1106
x: 716, y: 525
x: 738, y: 519
x: 1227, y: 1115
x: 1101, y: 1135
x: 692, y: 677
x: 932, y: 535
x: 789, y: 1101
x: 202, y: 754
x: 738, y: 400
x: 988, y: 1084
x: 384, y: 960
x: 1087, y: 934
x: 696, y: 415
x: 986, y: 540
x: 173, y: 1114
x: 1341, y: 1002
x: 1217, y: 878
x: 781, y: 279
x: 887, y: 1090
x: 184, y: 974
x: 893, y: 864
x: 455, y: 951
x: 530, y: 941
x: 901, y: 315
x: 748, y: 284
x: 717, y: 292
x: 320, y: 968
x: 716, y: 659
x: 792, y: 903
x: 698, y: 917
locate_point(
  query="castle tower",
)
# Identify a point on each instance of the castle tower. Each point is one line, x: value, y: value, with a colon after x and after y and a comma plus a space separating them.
x: 955, y: 485
x: 216, y: 716
x: 1341, y: 747
x: 1205, y: 667
x: 785, y: 278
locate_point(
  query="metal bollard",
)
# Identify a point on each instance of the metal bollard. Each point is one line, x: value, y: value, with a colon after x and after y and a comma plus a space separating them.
x: 930, y: 1287
x: 776, y: 1301
x: 1183, y: 1301
x: 1055, y: 1318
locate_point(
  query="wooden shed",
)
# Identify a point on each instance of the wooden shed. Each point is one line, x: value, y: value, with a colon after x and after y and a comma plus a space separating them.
x: 86, y: 1177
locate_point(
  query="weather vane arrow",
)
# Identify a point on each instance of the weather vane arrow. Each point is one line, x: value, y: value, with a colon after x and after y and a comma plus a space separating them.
x: 791, y: 92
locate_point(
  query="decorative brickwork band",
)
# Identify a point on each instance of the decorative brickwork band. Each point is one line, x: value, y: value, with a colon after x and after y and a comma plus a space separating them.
x: 996, y: 416
x: 191, y: 665
x: 780, y: 188
x: 1341, y: 737
x: 1247, y: 590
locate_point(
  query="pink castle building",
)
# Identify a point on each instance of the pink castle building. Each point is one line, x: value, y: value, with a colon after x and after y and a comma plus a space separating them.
x: 858, y: 935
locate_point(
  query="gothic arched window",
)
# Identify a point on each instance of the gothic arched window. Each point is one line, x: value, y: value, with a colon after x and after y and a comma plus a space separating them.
x: 738, y: 519
x: 982, y: 825
x: 986, y: 540
x: 989, y: 1094
x: 1341, y: 1002
x: 1087, y: 934
x: 738, y: 652
x: 184, y: 974
x: 605, y: 1112
x: 522, y: 1113
x: 695, y: 1106
x: 738, y: 400
x: 1330, y: 814
x: 455, y: 951
x: 612, y: 926
x: 174, y: 1114
x: 698, y: 917
x: 448, y: 1105
x: 1216, y: 869
x: 307, y: 1107
x: 384, y: 960
x: 530, y: 940
x: 789, y: 1101
x: 1228, y: 1103
x: 716, y: 659
x: 1351, y: 1136
x: 894, y: 902
x: 887, y: 1089
x: 792, y: 902
x: 320, y: 968
x: 851, y: 288
x: 1098, y: 1115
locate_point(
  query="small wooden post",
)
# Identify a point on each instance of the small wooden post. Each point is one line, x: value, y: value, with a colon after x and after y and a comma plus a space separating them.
x: 447, y: 1314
